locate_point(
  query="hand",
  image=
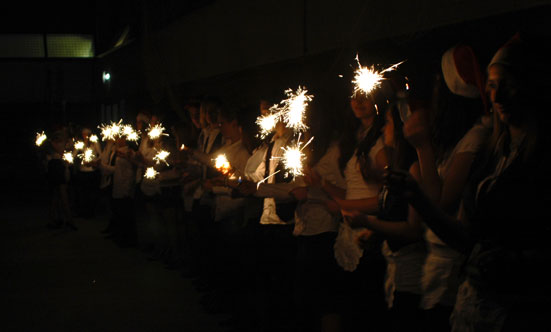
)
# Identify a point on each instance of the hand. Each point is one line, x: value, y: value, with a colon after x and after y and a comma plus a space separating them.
x: 355, y: 218
x: 402, y: 181
x: 366, y: 239
x: 299, y: 193
x: 416, y: 130
x: 311, y: 177
x: 247, y: 188
x: 333, y: 207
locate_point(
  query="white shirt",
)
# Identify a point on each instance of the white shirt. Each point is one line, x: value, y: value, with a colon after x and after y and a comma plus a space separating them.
x: 124, y: 175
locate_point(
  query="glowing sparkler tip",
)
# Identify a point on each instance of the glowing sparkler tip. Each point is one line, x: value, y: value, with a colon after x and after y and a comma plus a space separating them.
x: 79, y: 145
x: 367, y: 79
x: 40, y: 138
x: 68, y: 157
x: 161, y: 156
x: 150, y: 173
x: 156, y: 131
x: 222, y: 164
x: 94, y: 138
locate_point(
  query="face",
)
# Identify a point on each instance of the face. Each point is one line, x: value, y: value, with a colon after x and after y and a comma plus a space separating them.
x: 362, y: 106
x: 503, y: 90
x: 194, y: 115
x: 388, y: 130
x: 226, y: 127
x: 59, y: 145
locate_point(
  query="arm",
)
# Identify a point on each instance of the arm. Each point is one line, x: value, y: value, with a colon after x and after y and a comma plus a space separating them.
x: 455, y: 181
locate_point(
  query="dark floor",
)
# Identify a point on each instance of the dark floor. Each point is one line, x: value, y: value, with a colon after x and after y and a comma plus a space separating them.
x: 79, y: 281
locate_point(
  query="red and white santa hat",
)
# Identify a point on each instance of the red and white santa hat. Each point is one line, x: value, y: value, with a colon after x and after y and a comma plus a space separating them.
x: 462, y: 72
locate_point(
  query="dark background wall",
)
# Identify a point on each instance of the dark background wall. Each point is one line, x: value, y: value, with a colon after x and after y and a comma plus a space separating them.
x: 161, y: 53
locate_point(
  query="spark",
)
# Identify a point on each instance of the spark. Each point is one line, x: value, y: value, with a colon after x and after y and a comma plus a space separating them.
x: 79, y: 145
x: 222, y: 164
x: 40, y: 138
x: 293, y: 157
x: 156, y: 131
x: 94, y: 138
x: 367, y: 79
x: 130, y: 133
x: 182, y: 147
x: 88, y: 155
x: 161, y: 156
x: 150, y: 173
x: 267, y: 124
x: 294, y: 108
x: 110, y: 132
x: 68, y: 157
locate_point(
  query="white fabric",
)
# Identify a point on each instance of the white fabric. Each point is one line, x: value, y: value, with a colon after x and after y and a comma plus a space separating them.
x: 441, y: 271
x: 105, y: 158
x: 312, y: 216
x: 254, y: 169
x: 347, y: 251
x: 237, y: 155
x: 453, y: 79
x: 124, y: 177
x: 404, y: 269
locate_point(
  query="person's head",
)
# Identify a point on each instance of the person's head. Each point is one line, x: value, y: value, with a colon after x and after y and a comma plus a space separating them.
x: 192, y: 108
x: 58, y: 142
x: 229, y: 123
x: 86, y: 132
x: 362, y: 106
x: 142, y: 120
x: 210, y: 107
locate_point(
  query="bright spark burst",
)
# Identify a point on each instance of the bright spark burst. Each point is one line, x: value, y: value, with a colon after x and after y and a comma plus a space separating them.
x: 161, y: 156
x: 111, y: 131
x: 88, y: 155
x: 68, y: 157
x: 156, y: 131
x: 94, y: 138
x: 267, y: 124
x: 367, y: 79
x: 293, y: 157
x: 150, y: 173
x: 130, y: 133
x: 79, y: 145
x: 294, y: 108
x: 222, y: 164
x: 182, y: 147
x: 40, y: 138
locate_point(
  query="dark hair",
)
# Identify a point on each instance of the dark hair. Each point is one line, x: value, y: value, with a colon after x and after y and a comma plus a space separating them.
x: 403, y: 154
x: 452, y: 117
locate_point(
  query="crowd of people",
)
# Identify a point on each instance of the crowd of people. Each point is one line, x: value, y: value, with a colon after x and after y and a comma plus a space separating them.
x: 421, y: 212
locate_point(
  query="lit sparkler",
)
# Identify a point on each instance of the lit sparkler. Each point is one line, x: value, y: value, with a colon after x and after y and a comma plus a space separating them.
x: 130, y: 133
x: 156, y: 131
x: 150, y: 173
x: 182, y: 147
x: 68, y: 157
x: 293, y: 157
x: 79, y: 145
x: 40, y: 138
x: 110, y: 132
x: 88, y: 155
x: 161, y: 156
x: 94, y: 138
x: 367, y: 79
x: 267, y: 124
x: 293, y: 109
x: 222, y: 164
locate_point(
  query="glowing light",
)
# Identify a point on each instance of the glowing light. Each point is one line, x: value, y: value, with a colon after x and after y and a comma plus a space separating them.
x: 182, y: 147
x: 156, y: 131
x: 267, y: 124
x: 265, y: 179
x: 293, y: 157
x: 367, y: 79
x: 222, y: 164
x: 110, y: 132
x: 68, y: 157
x: 161, y: 156
x: 294, y: 108
x: 88, y: 155
x: 94, y: 138
x: 150, y: 173
x: 40, y: 138
x: 130, y: 133
x: 79, y: 145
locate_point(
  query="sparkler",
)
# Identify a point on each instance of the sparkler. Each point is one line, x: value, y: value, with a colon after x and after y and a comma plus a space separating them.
x: 110, y: 132
x: 265, y: 179
x: 130, y: 133
x: 88, y: 155
x: 182, y: 147
x: 156, y: 131
x: 40, y: 138
x: 222, y: 164
x: 293, y: 110
x: 161, y: 156
x: 68, y: 157
x: 293, y: 158
x: 79, y: 145
x: 267, y: 124
x: 150, y: 173
x: 94, y: 138
x: 368, y: 79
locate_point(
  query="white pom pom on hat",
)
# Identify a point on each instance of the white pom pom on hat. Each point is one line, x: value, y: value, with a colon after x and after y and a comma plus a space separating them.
x: 461, y: 71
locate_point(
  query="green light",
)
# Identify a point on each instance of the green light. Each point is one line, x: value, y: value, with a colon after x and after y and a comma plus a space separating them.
x: 106, y: 77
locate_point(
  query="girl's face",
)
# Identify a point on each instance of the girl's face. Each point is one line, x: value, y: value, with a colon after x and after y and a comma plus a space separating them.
x: 503, y: 90
x: 388, y: 130
x: 362, y: 106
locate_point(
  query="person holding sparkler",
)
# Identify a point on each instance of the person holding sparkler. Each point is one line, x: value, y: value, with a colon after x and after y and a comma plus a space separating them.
x: 87, y: 176
x: 58, y: 178
x: 501, y: 224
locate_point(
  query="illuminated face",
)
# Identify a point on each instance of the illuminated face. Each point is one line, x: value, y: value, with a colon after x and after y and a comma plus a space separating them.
x: 362, y: 106
x: 388, y: 130
x: 503, y: 90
